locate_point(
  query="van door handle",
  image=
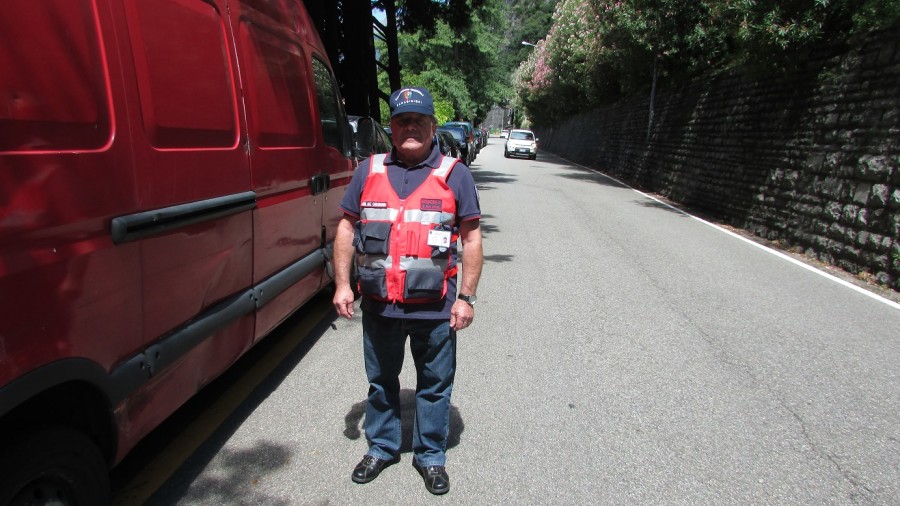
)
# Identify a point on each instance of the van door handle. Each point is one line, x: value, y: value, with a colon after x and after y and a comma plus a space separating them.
x: 320, y: 183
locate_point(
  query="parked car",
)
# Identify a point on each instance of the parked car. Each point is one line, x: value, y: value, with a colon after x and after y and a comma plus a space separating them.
x: 470, y: 136
x: 479, y: 139
x: 447, y: 143
x: 466, y: 154
x: 521, y: 143
x: 369, y: 137
x: 170, y: 181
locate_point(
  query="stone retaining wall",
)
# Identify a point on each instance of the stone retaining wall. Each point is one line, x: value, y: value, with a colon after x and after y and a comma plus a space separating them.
x: 809, y: 159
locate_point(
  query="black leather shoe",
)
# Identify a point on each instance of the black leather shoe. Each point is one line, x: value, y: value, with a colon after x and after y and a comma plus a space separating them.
x: 370, y: 467
x: 437, y: 481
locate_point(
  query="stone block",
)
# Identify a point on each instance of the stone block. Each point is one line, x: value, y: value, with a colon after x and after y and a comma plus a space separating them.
x: 815, y: 162
x: 894, y: 201
x: 861, y: 194
x: 875, y: 168
x: 862, y: 218
x: 879, y: 195
x: 836, y: 231
x: 833, y: 212
x: 849, y: 213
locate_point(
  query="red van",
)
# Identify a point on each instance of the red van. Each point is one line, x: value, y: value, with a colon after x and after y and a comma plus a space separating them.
x: 170, y: 173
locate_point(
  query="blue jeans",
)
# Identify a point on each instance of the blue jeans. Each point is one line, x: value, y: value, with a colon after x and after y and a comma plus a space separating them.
x: 433, y: 347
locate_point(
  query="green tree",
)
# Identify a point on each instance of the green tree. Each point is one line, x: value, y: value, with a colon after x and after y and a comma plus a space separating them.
x: 459, y: 65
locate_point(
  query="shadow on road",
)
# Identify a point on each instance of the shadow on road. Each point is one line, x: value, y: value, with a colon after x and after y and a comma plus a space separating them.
x: 239, y: 468
x: 486, y: 227
x: 653, y: 204
x: 590, y: 176
x: 484, y: 179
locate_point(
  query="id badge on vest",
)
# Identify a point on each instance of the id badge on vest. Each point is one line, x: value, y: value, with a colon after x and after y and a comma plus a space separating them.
x: 439, y: 238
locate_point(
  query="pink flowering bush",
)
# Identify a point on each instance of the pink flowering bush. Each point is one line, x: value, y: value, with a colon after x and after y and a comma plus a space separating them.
x: 598, y: 50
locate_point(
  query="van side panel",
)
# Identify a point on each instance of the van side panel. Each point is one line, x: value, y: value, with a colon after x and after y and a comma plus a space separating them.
x: 66, y: 289
x: 182, y: 96
x: 189, y: 127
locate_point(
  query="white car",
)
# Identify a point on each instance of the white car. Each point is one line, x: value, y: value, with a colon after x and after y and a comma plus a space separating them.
x: 521, y: 143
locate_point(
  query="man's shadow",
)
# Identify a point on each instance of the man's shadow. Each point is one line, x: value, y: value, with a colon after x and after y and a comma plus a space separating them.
x: 353, y: 425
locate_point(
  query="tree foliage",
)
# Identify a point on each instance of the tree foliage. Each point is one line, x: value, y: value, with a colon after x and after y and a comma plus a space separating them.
x: 422, y: 16
x: 457, y: 60
x: 597, y: 50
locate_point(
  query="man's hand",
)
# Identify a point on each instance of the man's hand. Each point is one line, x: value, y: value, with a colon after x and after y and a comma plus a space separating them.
x: 461, y: 315
x: 343, y: 301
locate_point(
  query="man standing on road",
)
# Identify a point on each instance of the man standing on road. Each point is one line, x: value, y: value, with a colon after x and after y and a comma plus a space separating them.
x: 404, y: 212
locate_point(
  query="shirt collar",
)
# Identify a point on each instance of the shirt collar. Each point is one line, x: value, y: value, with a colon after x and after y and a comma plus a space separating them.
x: 433, y: 160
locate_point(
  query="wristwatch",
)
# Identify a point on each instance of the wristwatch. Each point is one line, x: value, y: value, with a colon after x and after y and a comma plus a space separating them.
x: 468, y: 299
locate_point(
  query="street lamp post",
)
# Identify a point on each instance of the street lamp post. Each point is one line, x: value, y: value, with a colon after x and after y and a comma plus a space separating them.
x: 512, y: 112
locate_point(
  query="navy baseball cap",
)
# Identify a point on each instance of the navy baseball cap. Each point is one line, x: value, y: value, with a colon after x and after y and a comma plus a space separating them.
x: 411, y: 100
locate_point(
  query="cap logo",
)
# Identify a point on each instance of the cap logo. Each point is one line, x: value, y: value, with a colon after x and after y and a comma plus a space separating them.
x: 407, y: 93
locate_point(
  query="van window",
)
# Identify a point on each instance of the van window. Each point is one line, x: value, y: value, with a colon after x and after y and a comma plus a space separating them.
x: 52, y: 84
x: 332, y: 114
x: 282, y: 12
x: 184, y: 73
x: 279, y: 101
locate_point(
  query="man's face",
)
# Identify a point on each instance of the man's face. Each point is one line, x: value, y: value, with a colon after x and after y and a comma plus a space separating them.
x: 412, y: 134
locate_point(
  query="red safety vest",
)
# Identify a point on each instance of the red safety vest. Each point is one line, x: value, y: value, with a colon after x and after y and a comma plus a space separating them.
x: 404, y: 246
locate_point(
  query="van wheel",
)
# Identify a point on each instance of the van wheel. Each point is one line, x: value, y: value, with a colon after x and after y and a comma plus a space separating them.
x: 52, y: 465
x: 505, y: 153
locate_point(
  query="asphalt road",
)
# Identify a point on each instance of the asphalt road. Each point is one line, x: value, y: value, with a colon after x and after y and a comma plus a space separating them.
x: 622, y: 353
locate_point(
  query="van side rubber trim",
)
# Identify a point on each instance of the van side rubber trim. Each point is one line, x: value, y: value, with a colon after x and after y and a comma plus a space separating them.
x: 139, y: 369
x: 159, y: 221
x: 272, y: 286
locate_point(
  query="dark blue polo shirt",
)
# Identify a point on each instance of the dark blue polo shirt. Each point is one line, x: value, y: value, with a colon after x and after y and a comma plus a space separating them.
x: 405, y: 180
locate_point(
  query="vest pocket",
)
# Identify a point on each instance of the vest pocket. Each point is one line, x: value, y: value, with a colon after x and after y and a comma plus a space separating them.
x: 424, y: 284
x: 372, y: 282
x: 372, y: 238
